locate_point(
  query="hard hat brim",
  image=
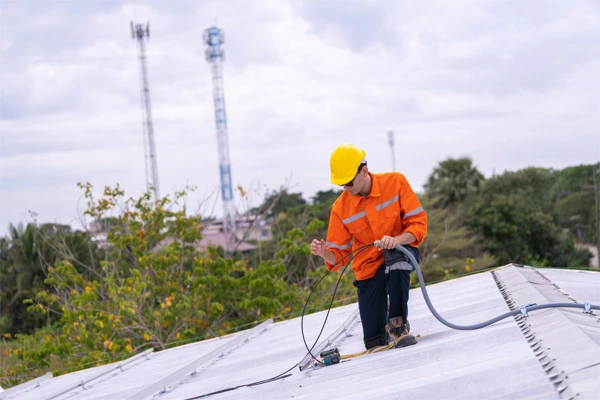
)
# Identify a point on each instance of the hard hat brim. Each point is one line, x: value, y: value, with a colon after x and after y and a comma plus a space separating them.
x: 343, y: 180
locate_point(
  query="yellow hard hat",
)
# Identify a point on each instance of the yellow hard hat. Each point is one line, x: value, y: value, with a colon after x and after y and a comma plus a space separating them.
x: 344, y: 163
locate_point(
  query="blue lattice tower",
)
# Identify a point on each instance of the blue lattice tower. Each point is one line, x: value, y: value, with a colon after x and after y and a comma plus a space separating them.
x: 141, y: 34
x: 214, y: 39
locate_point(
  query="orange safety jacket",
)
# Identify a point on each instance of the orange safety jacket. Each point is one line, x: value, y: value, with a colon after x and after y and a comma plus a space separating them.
x: 391, y: 208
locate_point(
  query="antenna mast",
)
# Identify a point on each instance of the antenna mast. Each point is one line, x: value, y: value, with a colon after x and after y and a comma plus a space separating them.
x: 141, y: 33
x: 214, y: 38
x: 391, y: 143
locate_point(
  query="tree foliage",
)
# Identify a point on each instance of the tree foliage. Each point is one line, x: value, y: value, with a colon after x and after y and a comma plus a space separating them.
x: 451, y: 247
x: 280, y: 201
x: 577, y: 191
x: 453, y: 180
x: 515, y: 213
x: 20, y: 277
x: 152, y: 287
x: 25, y: 258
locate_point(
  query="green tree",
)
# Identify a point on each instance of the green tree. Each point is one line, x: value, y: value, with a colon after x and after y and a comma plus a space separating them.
x: 21, y: 277
x: 453, y: 180
x: 322, y: 203
x: 451, y: 247
x: 575, y: 190
x: 26, y: 258
x: 575, y: 178
x: 326, y: 197
x: 516, y: 216
x: 578, y: 215
x: 280, y: 201
x: 152, y: 288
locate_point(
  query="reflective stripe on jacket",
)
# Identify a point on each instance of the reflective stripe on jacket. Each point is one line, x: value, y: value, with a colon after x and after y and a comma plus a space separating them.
x: 391, y: 208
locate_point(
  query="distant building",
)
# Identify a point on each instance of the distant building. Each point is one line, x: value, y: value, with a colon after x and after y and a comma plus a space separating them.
x: 228, y: 240
x: 250, y: 228
x: 247, y: 228
x: 98, y: 231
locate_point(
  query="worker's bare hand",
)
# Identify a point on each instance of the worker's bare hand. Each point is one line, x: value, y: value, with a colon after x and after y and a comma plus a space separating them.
x: 388, y: 242
x: 317, y: 247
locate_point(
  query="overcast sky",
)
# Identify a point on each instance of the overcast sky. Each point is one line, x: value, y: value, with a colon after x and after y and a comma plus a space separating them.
x: 510, y: 84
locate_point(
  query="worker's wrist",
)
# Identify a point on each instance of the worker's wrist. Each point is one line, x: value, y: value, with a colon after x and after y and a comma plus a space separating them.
x: 329, y: 257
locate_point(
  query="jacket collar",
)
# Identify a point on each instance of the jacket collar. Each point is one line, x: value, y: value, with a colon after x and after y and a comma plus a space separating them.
x: 375, y: 191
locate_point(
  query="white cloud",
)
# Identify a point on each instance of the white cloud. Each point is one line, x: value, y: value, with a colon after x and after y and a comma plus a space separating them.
x: 510, y: 84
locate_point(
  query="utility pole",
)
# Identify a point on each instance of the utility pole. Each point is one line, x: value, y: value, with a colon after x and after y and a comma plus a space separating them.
x: 596, y: 170
x: 214, y: 38
x: 141, y: 34
x: 391, y: 143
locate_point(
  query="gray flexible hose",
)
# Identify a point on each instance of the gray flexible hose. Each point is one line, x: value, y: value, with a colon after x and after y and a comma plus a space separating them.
x: 523, y: 309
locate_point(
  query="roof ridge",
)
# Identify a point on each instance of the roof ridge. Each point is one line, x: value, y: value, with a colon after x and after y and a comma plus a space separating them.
x: 554, y: 335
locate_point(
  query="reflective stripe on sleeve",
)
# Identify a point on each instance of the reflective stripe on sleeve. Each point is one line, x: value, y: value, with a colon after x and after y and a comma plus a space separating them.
x: 383, y: 205
x: 354, y: 217
x: 337, y: 246
x: 413, y: 212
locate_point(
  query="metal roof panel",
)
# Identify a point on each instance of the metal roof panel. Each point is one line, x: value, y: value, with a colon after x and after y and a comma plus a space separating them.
x: 549, y: 354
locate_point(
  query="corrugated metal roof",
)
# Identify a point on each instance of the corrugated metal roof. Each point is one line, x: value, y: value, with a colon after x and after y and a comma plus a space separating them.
x: 550, y: 354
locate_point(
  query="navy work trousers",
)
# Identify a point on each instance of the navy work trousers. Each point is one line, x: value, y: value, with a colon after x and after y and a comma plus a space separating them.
x: 373, y: 299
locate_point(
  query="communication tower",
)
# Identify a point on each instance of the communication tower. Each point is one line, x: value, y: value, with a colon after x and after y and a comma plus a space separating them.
x: 141, y: 33
x: 214, y: 39
x: 391, y: 143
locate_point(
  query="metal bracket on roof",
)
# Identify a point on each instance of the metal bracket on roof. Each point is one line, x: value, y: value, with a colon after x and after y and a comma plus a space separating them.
x: 169, y: 382
x: 524, y: 309
x: 104, y: 372
x: 34, y: 383
x: 587, y: 308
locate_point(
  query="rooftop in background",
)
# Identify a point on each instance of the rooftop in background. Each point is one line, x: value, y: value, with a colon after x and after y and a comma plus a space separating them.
x: 248, y: 228
x: 550, y: 354
x: 227, y: 241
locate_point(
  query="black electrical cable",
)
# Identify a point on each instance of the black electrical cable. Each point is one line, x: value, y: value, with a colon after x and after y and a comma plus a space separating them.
x: 351, y: 255
x: 411, y: 259
x: 285, y: 373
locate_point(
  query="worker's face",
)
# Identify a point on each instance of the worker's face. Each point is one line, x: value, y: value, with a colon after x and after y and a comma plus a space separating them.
x: 355, y: 186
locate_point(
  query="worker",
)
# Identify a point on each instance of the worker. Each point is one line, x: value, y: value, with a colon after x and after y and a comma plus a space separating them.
x: 374, y: 207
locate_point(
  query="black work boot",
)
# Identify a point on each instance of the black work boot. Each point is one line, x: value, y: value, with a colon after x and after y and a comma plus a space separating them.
x: 379, y: 340
x: 398, y: 331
